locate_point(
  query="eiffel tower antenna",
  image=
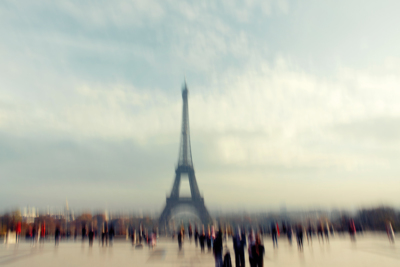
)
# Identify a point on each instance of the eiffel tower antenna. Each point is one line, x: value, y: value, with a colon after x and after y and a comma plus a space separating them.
x: 185, y: 152
x: 185, y: 165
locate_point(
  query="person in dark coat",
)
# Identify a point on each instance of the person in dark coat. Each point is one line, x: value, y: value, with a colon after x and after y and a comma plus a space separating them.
x: 91, y: 237
x: 111, y: 234
x: 227, y: 260
x: 83, y: 232
x: 196, y: 235
x: 202, y: 239
x: 217, y: 249
x: 299, y: 235
x: 57, y: 235
x: 33, y: 235
x: 274, y: 234
x: 289, y: 234
x: 180, y: 240
x: 238, y: 247
x: 257, y: 251
x: 208, y: 236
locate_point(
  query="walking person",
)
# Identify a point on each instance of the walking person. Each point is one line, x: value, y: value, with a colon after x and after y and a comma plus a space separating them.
x: 251, y: 243
x: 43, y: 233
x: 320, y: 231
x: 299, y: 235
x: 57, y: 235
x: 326, y: 232
x: 83, y: 232
x: 212, y: 235
x: 257, y: 252
x: 289, y: 233
x: 274, y: 234
x: 196, y: 235
x: 352, y: 230
x: 238, y: 247
x: 18, y: 232
x: 208, y: 236
x: 390, y: 232
x: 190, y: 231
x: 180, y: 237
x: 133, y: 236
x: 33, y: 235
x: 202, y: 239
x: 111, y: 234
x: 217, y: 249
x: 309, y: 232
x: 91, y: 237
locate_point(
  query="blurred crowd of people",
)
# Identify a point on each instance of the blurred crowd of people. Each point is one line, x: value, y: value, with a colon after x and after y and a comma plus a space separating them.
x: 253, y: 239
x: 204, y: 237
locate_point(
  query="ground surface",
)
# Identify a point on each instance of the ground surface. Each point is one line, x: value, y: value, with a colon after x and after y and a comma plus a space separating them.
x: 368, y: 250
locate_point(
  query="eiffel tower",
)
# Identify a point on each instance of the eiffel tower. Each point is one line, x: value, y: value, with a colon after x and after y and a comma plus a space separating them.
x: 185, y: 166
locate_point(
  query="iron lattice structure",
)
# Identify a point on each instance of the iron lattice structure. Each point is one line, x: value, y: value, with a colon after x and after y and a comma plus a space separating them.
x: 185, y: 166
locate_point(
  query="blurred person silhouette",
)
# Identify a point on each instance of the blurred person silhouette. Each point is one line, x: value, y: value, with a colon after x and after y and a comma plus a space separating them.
x: 309, y: 232
x: 33, y: 234
x: 18, y: 232
x: 180, y: 237
x: 243, y: 237
x: 217, y: 249
x: 238, y: 246
x: 148, y: 238
x: 390, y: 232
x: 299, y: 235
x: 326, y: 232
x: 75, y: 233
x: 83, y: 232
x: 57, y: 235
x: 183, y: 230
x: 196, y: 235
x: 251, y: 242
x: 227, y: 260
x: 111, y: 234
x: 352, y: 230
x: 289, y: 233
x: 28, y: 234
x: 208, y: 236
x: 91, y: 236
x: 257, y: 252
x: 154, y: 238
x: 320, y: 231
x: 274, y: 234
x: 132, y: 235
x: 190, y: 231
x: 284, y: 228
x: 140, y: 233
x: 202, y: 239
x: 212, y: 235
x: 104, y: 234
x: 43, y: 233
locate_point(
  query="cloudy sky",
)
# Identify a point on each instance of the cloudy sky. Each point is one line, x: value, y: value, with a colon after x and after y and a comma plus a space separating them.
x: 291, y: 103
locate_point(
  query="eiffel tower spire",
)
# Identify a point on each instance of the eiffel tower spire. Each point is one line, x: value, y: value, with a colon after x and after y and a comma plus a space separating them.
x: 185, y: 152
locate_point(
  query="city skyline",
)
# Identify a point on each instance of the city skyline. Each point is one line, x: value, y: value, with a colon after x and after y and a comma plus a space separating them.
x: 291, y: 103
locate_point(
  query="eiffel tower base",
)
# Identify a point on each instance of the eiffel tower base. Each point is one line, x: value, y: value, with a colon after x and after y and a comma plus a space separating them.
x: 196, y: 204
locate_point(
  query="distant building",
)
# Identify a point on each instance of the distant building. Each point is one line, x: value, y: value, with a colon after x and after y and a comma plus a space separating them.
x: 29, y: 214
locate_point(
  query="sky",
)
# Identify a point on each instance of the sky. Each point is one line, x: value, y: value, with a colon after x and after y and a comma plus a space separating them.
x: 291, y: 103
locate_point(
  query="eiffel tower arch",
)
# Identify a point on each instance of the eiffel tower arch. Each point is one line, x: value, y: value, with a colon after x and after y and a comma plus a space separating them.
x: 185, y: 166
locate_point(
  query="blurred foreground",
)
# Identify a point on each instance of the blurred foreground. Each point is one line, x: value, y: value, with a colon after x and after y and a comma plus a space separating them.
x: 368, y: 249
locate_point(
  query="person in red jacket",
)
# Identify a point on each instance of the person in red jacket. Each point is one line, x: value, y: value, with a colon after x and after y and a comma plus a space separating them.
x: 43, y: 232
x: 18, y: 232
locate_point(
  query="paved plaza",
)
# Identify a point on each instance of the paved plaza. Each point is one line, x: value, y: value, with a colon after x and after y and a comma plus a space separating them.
x: 368, y: 250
